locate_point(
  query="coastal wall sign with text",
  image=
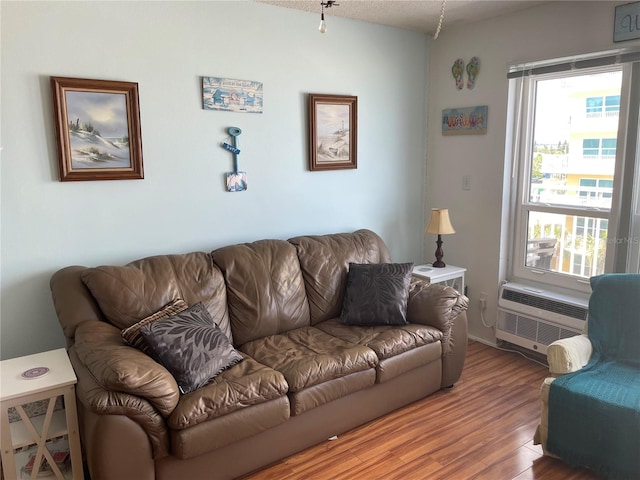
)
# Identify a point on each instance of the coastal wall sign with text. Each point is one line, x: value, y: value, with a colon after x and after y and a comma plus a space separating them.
x: 465, y: 121
x: 627, y: 22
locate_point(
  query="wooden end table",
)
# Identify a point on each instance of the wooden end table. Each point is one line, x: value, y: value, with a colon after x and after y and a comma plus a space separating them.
x: 38, y: 434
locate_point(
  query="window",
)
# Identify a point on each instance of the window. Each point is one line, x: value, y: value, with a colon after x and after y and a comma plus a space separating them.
x: 594, y: 106
x: 567, y: 171
x: 590, y: 147
x: 612, y: 105
x: 609, y: 147
x: 599, y: 147
x: 602, y: 189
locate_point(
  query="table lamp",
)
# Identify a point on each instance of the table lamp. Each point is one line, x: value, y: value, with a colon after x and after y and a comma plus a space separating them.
x: 439, y: 224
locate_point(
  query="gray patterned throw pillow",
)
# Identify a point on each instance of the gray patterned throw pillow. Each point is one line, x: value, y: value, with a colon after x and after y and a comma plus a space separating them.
x: 377, y: 294
x: 191, y: 346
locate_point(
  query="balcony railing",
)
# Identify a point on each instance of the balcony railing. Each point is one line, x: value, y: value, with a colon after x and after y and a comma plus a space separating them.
x: 608, y: 114
x: 571, y: 195
x: 579, y: 164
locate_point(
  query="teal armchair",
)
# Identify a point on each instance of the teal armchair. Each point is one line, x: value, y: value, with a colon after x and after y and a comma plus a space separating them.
x: 591, y: 403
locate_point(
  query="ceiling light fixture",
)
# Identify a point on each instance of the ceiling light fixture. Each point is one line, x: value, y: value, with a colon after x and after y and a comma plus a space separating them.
x: 328, y: 4
x: 435, y: 35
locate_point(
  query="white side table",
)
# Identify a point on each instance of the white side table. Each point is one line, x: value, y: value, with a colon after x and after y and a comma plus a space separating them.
x: 450, y: 275
x: 36, y: 434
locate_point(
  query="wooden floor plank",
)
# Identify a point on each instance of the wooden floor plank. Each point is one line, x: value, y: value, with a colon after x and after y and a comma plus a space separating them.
x: 480, y: 429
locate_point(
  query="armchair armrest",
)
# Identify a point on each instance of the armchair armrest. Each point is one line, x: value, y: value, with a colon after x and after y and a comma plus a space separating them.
x: 569, y: 354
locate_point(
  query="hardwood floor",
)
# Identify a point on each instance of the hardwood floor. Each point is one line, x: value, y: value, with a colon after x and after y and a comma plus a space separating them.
x: 480, y: 429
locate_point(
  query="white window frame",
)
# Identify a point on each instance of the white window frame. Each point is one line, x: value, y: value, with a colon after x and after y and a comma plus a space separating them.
x: 521, y: 204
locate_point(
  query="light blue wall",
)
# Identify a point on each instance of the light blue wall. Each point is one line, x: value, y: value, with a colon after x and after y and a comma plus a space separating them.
x: 181, y: 204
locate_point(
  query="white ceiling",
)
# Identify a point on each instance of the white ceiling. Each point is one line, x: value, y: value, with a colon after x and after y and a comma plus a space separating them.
x: 421, y: 16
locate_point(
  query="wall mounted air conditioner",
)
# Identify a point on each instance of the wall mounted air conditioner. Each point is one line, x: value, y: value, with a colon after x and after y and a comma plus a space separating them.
x: 533, y: 318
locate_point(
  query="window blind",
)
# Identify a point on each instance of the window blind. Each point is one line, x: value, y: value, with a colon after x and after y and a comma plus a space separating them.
x: 563, y: 65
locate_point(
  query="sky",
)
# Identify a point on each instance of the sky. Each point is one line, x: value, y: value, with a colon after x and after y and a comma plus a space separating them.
x: 105, y: 111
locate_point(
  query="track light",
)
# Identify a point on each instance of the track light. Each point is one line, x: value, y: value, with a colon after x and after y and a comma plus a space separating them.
x: 328, y: 4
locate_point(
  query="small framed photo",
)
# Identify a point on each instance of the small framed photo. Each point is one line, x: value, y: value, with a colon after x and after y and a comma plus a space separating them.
x: 97, y: 129
x: 333, y: 132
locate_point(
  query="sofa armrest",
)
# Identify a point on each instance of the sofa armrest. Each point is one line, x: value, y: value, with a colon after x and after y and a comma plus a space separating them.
x: 438, y: 306
x: 94, y: 402
x: 445, y: 309
x: 117, y: 367
x: 72, y: 300
x: 569, y: 354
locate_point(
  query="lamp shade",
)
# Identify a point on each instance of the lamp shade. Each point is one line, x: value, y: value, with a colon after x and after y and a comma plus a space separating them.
x: 439, y: 224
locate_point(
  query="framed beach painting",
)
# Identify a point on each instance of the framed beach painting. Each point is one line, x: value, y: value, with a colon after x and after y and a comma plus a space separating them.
x: 333, y: 132
x: 97, y: 129
x: 232, y: 95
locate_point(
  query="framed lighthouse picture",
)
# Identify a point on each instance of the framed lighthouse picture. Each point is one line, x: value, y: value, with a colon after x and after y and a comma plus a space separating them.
x: 333, y: 132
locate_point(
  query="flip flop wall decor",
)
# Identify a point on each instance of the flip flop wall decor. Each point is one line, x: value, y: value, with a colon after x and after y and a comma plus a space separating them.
x: 457, y: 70
x: 473, y: 67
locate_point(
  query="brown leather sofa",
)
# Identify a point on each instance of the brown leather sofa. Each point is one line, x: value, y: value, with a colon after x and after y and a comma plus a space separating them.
x: 305, y: 376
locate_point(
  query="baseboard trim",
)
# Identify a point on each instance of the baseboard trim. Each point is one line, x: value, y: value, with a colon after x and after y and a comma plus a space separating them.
x: 482, y: 340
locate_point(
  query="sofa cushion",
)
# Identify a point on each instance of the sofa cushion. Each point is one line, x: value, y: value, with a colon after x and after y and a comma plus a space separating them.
x: 129, y: 293
x: 225, y: 430
x: 325, y: 259
x: 242, y: 385
x: 308, y: 356
x: 393, y: 367
x: 377, y: 294
x: 385, y: 340
x: 398, y: 348
x: 328, y: 391
x: 191, y: 346
x: 132, y: 334
x: 265, y: 289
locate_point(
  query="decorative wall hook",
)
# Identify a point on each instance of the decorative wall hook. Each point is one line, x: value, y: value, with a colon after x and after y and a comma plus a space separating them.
x: 236, y: 180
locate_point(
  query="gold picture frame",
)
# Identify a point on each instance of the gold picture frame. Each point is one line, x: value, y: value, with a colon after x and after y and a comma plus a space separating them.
x: 97, y: 129
x: 333, y: 132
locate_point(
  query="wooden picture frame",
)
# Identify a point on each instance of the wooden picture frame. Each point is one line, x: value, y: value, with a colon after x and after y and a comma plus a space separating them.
x: 97, y: 129
x: 333, y: 132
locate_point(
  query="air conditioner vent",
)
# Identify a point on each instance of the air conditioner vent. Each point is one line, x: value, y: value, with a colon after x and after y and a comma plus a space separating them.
x: 547, y: 304
x: 534, y: 318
